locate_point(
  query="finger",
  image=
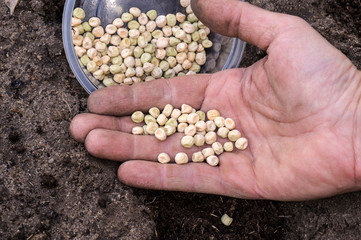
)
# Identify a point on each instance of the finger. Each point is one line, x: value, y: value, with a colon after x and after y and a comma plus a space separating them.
x: 197, y: 177
x: 122, y: 100
x: 119, y: 146
x: 82, y: 124
x: 192, y: 177
x: 239, y: 19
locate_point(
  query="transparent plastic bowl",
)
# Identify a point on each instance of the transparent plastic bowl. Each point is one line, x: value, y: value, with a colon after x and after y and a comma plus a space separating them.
x: 226, y: 52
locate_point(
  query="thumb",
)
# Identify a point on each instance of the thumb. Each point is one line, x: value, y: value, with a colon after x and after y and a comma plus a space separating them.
x: 235, y: 18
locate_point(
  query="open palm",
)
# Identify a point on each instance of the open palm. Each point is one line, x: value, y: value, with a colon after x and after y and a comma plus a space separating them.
x: 297, y: 107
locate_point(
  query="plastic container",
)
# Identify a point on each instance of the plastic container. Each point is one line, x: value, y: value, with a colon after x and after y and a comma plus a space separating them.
x: 226, y: 52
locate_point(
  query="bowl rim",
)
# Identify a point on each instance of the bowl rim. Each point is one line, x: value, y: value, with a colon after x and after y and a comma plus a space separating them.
x: 233, y: 60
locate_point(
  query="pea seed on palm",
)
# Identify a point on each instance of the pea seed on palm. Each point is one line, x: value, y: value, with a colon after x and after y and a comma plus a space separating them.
x: 213, y: 134
x: 173, y: 44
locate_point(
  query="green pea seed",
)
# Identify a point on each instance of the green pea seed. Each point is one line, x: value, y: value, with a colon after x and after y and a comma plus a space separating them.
x: 138, y: 51
x: 89, y: 35
x: 174, y: 41
x: 164, y: 65
x: 152, y: 14
x: 84, y: 60
x: 146, y: 57
x: 192, y: 18
x: 117, y: 60
x: 79, y: 13
x: 133, y: 24
x: 86, y: 26
x: 127, y: 17
x: 171, y: 52
x: 171, y: 20
x: 150, y: 48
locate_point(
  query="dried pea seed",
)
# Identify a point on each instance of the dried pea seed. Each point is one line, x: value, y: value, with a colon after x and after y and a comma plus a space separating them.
x: 164, y: 65
x: 234, y: 135
x: 150, y: 48
x: 190, y: 130
x: 185, y: 108
x: 99, y: 74
x: 79, y: 13
x: 171, y: 52
x: 118, y: 22
x: 137, y: 130
x: 171, y: 20
x: 172, y: 62
x: 169, y: 73
x: 152, y: 14
x: 154, y: 112
x: 195, y: 68
x: 226, y: 220
x: 183, y: 118
x: 207, y: 152
x: 185, y: 3
x: 119, y: 78
x: 148, y: 119
x: 187, y: 141
x: 94, y: 22
x: 84, y: 60
x: 219, y: 121
x: 163, y: 158
x: 199, y: 140
x: 137, y: 117
x: 192, y: 18
x: 181, y: 158
x: 161, y: 21
x: 180, y: 17
x: 181, y: 127
x: 86, y: 26
x: 229, y: 123
x: 92, y: 66
x: 170, y: 130
x: 151, y: 128
x: 146, y: 57
x: 162, y: 119
x: 213, y: 160
x: 98, y: 31
x: 241, y: 143
x: 160, y: 134
x: 228, y: 146
x: 167, y: 111
x: 193, y: 118
x: 207, y: 43
x: 108, y: 82
x: 117, y: 60
x: 172, y: 122
x: 135, y: 11
x: 212, y: 114
x: 200, y: 125
x: 127, y: 17
x: 133, y: 24
x: 211, y: 137
x: 75, y: 22
x: 197, y: 157
x: 175, y: 113
x: 143, y: 19
x: 211, y: 126
x: 202, y: 115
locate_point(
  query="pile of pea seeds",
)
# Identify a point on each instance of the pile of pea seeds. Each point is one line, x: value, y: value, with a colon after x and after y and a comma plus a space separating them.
x: 140, y: 47
x: 199, y: 128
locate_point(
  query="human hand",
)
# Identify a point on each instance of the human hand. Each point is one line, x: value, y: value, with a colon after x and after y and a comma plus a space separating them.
x: 298, y: 106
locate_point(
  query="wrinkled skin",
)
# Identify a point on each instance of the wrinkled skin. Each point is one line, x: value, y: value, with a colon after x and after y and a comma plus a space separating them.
x: 299, y: 108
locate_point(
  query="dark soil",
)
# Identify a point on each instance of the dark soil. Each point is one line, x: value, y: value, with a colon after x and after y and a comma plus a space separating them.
x: 51, y: 188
